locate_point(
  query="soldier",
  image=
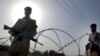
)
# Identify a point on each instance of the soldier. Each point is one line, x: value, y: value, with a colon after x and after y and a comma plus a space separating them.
x: 94, y: 40
x: 23, y: 31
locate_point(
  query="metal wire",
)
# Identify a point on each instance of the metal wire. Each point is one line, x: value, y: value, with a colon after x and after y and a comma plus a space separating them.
x: 40, y: 33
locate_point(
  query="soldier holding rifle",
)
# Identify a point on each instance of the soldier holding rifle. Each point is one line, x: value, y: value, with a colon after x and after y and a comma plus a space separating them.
x: 23, y: 31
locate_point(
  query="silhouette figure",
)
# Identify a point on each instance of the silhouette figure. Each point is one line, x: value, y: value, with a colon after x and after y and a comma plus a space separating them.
x: 94, y: 41
x: 23, y: 31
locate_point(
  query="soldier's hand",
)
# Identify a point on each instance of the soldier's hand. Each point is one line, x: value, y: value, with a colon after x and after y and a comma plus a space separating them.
x: 35, y: 40
x: 12, y: 33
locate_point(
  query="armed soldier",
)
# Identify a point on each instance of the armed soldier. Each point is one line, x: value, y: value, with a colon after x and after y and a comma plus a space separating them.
x: 94, y: 42
x: 23, y: 31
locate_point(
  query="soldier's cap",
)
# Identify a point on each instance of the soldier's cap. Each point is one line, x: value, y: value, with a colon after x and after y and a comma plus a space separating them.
x: 93, y: 25
x: 28, y: 8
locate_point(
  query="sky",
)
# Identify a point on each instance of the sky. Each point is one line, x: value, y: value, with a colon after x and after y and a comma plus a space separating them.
x: 71, y: 16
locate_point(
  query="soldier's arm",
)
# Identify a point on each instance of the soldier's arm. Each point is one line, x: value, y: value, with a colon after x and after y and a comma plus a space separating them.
x: 13, y: 29
x: 17, y: 23
x: 89, y: 38
x: 34, y: 30
x: 34, y: 27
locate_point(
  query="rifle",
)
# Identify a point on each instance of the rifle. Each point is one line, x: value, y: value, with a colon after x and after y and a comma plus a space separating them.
x: 9, y: 28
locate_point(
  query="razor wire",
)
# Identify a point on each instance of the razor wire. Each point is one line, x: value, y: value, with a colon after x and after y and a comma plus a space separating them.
x: 7, y: 39
x: 50, y: 39
x: 72, y: 42
x: 40, y: 33
x: 52, y: 29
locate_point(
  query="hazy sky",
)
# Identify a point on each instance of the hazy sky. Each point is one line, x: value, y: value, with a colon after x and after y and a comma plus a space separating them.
x: 72, y: 16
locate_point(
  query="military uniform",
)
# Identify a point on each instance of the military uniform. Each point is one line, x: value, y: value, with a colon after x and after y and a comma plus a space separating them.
x: 95, y: 44
x: 24, y: 29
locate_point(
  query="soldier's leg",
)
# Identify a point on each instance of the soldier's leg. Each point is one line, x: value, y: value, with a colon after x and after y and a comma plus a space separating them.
x: 88, y: 52
x: 94, y: 53
x: 14, y: 54
x: 99, y: 53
